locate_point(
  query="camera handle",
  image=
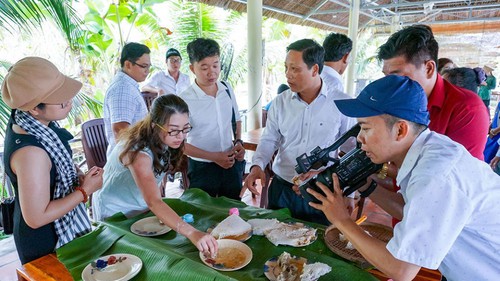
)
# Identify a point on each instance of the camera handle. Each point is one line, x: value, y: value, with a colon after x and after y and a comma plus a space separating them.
x: 320, y: 157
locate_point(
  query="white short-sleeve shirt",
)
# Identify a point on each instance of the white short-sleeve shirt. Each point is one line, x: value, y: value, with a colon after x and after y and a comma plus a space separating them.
x: 451, y: 215
x: 163, y: 80
x: 211, y: 118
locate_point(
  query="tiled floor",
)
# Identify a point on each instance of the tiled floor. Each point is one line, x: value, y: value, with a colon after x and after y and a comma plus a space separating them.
x: 9, y: 260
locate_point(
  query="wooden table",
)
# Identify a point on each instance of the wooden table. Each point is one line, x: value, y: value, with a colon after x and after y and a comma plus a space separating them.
x: 46, y: 268
x: 251, y: 139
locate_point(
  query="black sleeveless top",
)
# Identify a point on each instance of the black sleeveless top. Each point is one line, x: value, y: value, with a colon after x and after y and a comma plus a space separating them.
x: 31, y: 243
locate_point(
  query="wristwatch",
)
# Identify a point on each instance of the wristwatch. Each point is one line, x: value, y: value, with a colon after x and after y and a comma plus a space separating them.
x: 238, y: 140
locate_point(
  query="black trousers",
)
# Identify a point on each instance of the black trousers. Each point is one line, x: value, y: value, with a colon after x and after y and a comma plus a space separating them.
x: 281, y: 195
x: 215, y: 180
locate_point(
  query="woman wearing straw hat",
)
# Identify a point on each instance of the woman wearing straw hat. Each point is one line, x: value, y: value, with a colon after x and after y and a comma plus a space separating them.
x: 488, y: 85
x: 50, y: 195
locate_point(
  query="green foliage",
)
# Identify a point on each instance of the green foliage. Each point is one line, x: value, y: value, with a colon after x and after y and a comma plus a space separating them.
x: 29, y: 14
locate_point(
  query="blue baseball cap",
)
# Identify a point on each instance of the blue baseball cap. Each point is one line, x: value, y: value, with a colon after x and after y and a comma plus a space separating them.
x: 394, y: 95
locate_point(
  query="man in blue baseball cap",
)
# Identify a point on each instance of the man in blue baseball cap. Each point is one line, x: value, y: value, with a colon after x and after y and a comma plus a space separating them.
x: 449, y: 198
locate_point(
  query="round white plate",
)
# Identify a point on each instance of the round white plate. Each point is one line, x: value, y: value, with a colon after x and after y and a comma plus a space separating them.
x: 120, y: 271
x: 272, y: 270
x: 232, y: 255
x: 149, y: 226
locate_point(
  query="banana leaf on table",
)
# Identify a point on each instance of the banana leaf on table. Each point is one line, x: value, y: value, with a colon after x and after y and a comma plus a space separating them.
x: 172, y: 256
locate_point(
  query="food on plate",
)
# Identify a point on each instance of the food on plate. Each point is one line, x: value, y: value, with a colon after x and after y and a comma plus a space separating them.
x: 232, y: 227
x: 232, y: 255
x: 260, y: 226
x: 296, y: 234
x: 297, y: 269
x: 314, y: 271
x: 228, y: 258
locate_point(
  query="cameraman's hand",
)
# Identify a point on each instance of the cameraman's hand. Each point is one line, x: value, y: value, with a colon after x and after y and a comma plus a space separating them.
x: 332, y: 204
x: 256, y: 173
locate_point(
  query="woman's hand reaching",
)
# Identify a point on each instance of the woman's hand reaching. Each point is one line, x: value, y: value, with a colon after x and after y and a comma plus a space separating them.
x: 205, y: 243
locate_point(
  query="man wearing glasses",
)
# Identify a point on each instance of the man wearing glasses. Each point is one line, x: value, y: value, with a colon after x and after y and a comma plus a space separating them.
x: 171, y: 80
x: 123, y: 103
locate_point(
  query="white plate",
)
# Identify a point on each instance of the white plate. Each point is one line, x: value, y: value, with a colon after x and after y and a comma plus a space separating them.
x: 120, y: 271
x: 272, y: 270
x: 149, y: 226
x: 232, y: 255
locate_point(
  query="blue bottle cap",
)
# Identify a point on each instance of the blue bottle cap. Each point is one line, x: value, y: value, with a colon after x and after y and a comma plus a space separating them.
x: 188, y: 218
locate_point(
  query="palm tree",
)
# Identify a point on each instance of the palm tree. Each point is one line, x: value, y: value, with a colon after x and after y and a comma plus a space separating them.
x: 28, y: 16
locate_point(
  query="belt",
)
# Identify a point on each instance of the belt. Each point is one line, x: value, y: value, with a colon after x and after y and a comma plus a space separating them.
x: 282, y: 180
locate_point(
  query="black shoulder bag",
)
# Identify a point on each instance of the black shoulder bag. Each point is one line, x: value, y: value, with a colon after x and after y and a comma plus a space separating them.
x: 7, y: 205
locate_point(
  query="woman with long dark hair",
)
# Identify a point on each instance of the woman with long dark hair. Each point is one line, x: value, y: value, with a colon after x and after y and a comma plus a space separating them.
x: 138, y: 163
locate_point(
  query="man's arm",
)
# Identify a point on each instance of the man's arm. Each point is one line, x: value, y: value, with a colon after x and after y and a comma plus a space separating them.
x: 392, y: 202
x: 374, y: 250
x: 118, y: 127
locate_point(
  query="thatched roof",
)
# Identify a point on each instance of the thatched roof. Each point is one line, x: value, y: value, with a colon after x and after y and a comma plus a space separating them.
x: 442, y: 15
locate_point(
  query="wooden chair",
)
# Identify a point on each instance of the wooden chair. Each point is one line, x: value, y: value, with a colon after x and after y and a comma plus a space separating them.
x: 94, y: 142
x: 149, y: 98
x: 95, y: 145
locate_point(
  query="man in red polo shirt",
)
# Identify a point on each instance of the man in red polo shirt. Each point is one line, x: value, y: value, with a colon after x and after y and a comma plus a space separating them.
x: 455, y: 112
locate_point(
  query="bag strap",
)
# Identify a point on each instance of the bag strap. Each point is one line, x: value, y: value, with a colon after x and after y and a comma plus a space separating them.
x: 6, y: 189
x: 233, y: 117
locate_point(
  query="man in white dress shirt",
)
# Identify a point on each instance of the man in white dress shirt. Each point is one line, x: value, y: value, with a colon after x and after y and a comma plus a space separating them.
x: 450, y: 198
x: 337, y: 50
x: 215, y: 160
x: 171, y: 80
x: 300, y: 119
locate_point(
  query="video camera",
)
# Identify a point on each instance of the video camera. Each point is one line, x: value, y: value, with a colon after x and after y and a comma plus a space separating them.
x: 352, y: 169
